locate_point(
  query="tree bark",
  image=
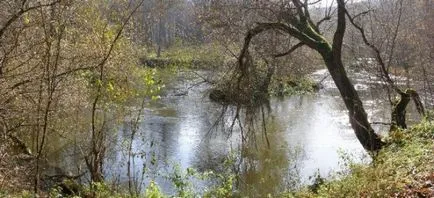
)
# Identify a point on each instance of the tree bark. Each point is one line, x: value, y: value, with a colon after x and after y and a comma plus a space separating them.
x: 399, y: 108
x: 357, y: 115
x: 332, y: 56
x: 398, y: 112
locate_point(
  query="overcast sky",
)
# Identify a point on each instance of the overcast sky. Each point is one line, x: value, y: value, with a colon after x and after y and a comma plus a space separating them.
x: 326, y: 3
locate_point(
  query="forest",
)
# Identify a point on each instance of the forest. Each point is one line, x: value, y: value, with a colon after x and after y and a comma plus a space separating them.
x: 216, y: 98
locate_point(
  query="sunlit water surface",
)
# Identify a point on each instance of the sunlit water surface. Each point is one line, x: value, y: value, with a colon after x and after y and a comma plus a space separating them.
x: 307, y: 135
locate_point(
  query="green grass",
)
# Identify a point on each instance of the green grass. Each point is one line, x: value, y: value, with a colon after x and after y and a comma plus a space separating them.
x: 401, y: 169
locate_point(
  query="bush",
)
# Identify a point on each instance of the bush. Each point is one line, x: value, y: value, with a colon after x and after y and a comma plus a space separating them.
x: 288, y: 86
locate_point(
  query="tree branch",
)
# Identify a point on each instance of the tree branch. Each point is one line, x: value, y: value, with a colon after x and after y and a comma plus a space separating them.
x: 383, y: 68
x: 261, y: 27
x: 340, y: 30
x: 21, y: 12
x: 322, y: 21
x: 293, y: 48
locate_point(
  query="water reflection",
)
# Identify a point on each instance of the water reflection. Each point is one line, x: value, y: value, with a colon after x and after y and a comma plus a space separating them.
x: 304, y: 136
x: 304, y: 133
x: 270, y: 165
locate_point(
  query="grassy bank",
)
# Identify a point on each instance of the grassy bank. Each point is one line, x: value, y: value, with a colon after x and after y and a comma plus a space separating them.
x: 403, y: 169
x: 206, y: 56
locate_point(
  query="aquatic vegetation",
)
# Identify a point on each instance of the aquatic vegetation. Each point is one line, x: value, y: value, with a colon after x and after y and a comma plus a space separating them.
x: 287, y: 87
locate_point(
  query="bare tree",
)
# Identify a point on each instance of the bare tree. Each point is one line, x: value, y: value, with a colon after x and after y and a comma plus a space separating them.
x: 297, y: 22
x: 391, y: 51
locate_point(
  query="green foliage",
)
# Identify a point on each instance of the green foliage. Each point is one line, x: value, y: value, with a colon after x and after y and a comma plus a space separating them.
x: 226, y: 179
x: 288, y: 86
x: 152, y: 191
x: 225, y: 189
x: 25, y: 194
x: 190, y: 56
x: 101, y: 190
x: 55, y: 192
x: 429, y: 115
x: 223, y: 186
x: 181, y: 181
x: 151, y: 84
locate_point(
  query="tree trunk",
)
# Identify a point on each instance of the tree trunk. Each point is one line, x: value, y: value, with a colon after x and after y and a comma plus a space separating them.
x: 308, y: 33
x: 358, y: 117
x: 399, y: 108
x: 398, y: 112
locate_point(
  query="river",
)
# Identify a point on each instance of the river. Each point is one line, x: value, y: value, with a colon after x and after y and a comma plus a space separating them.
x: 307, y: 135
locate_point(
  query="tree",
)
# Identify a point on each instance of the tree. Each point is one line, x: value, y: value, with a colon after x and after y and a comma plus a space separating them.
x: 95, y: 158
x: 394, y: 47
x: 296, y: 21
x: 63, y: 63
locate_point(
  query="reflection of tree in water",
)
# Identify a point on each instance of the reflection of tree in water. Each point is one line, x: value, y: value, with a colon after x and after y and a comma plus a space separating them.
x: 264, y: 162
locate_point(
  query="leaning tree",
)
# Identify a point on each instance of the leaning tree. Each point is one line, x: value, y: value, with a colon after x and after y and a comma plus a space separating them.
x: 297, y: 22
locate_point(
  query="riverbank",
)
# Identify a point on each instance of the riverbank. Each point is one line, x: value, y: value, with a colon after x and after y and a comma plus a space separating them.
x: 403, y: 169
x: 182, y: 56
x: 173, y: 117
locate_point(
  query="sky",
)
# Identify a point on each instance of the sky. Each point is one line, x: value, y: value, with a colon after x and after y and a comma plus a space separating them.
x: 326, y: 3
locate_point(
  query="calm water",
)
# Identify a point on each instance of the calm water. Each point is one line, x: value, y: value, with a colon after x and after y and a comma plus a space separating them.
x: 306, y: 135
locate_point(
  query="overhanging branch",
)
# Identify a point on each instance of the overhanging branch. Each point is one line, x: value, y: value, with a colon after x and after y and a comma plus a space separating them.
x: 262, y: 27
x: 293, y: 48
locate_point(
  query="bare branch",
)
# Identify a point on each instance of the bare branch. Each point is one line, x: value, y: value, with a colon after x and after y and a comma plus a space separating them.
x: 21, y: 12
x: 385, y: 73
x: 261, y: 27
x: 293, y: 48
x: 362, y: 13
x: 322, y: 21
